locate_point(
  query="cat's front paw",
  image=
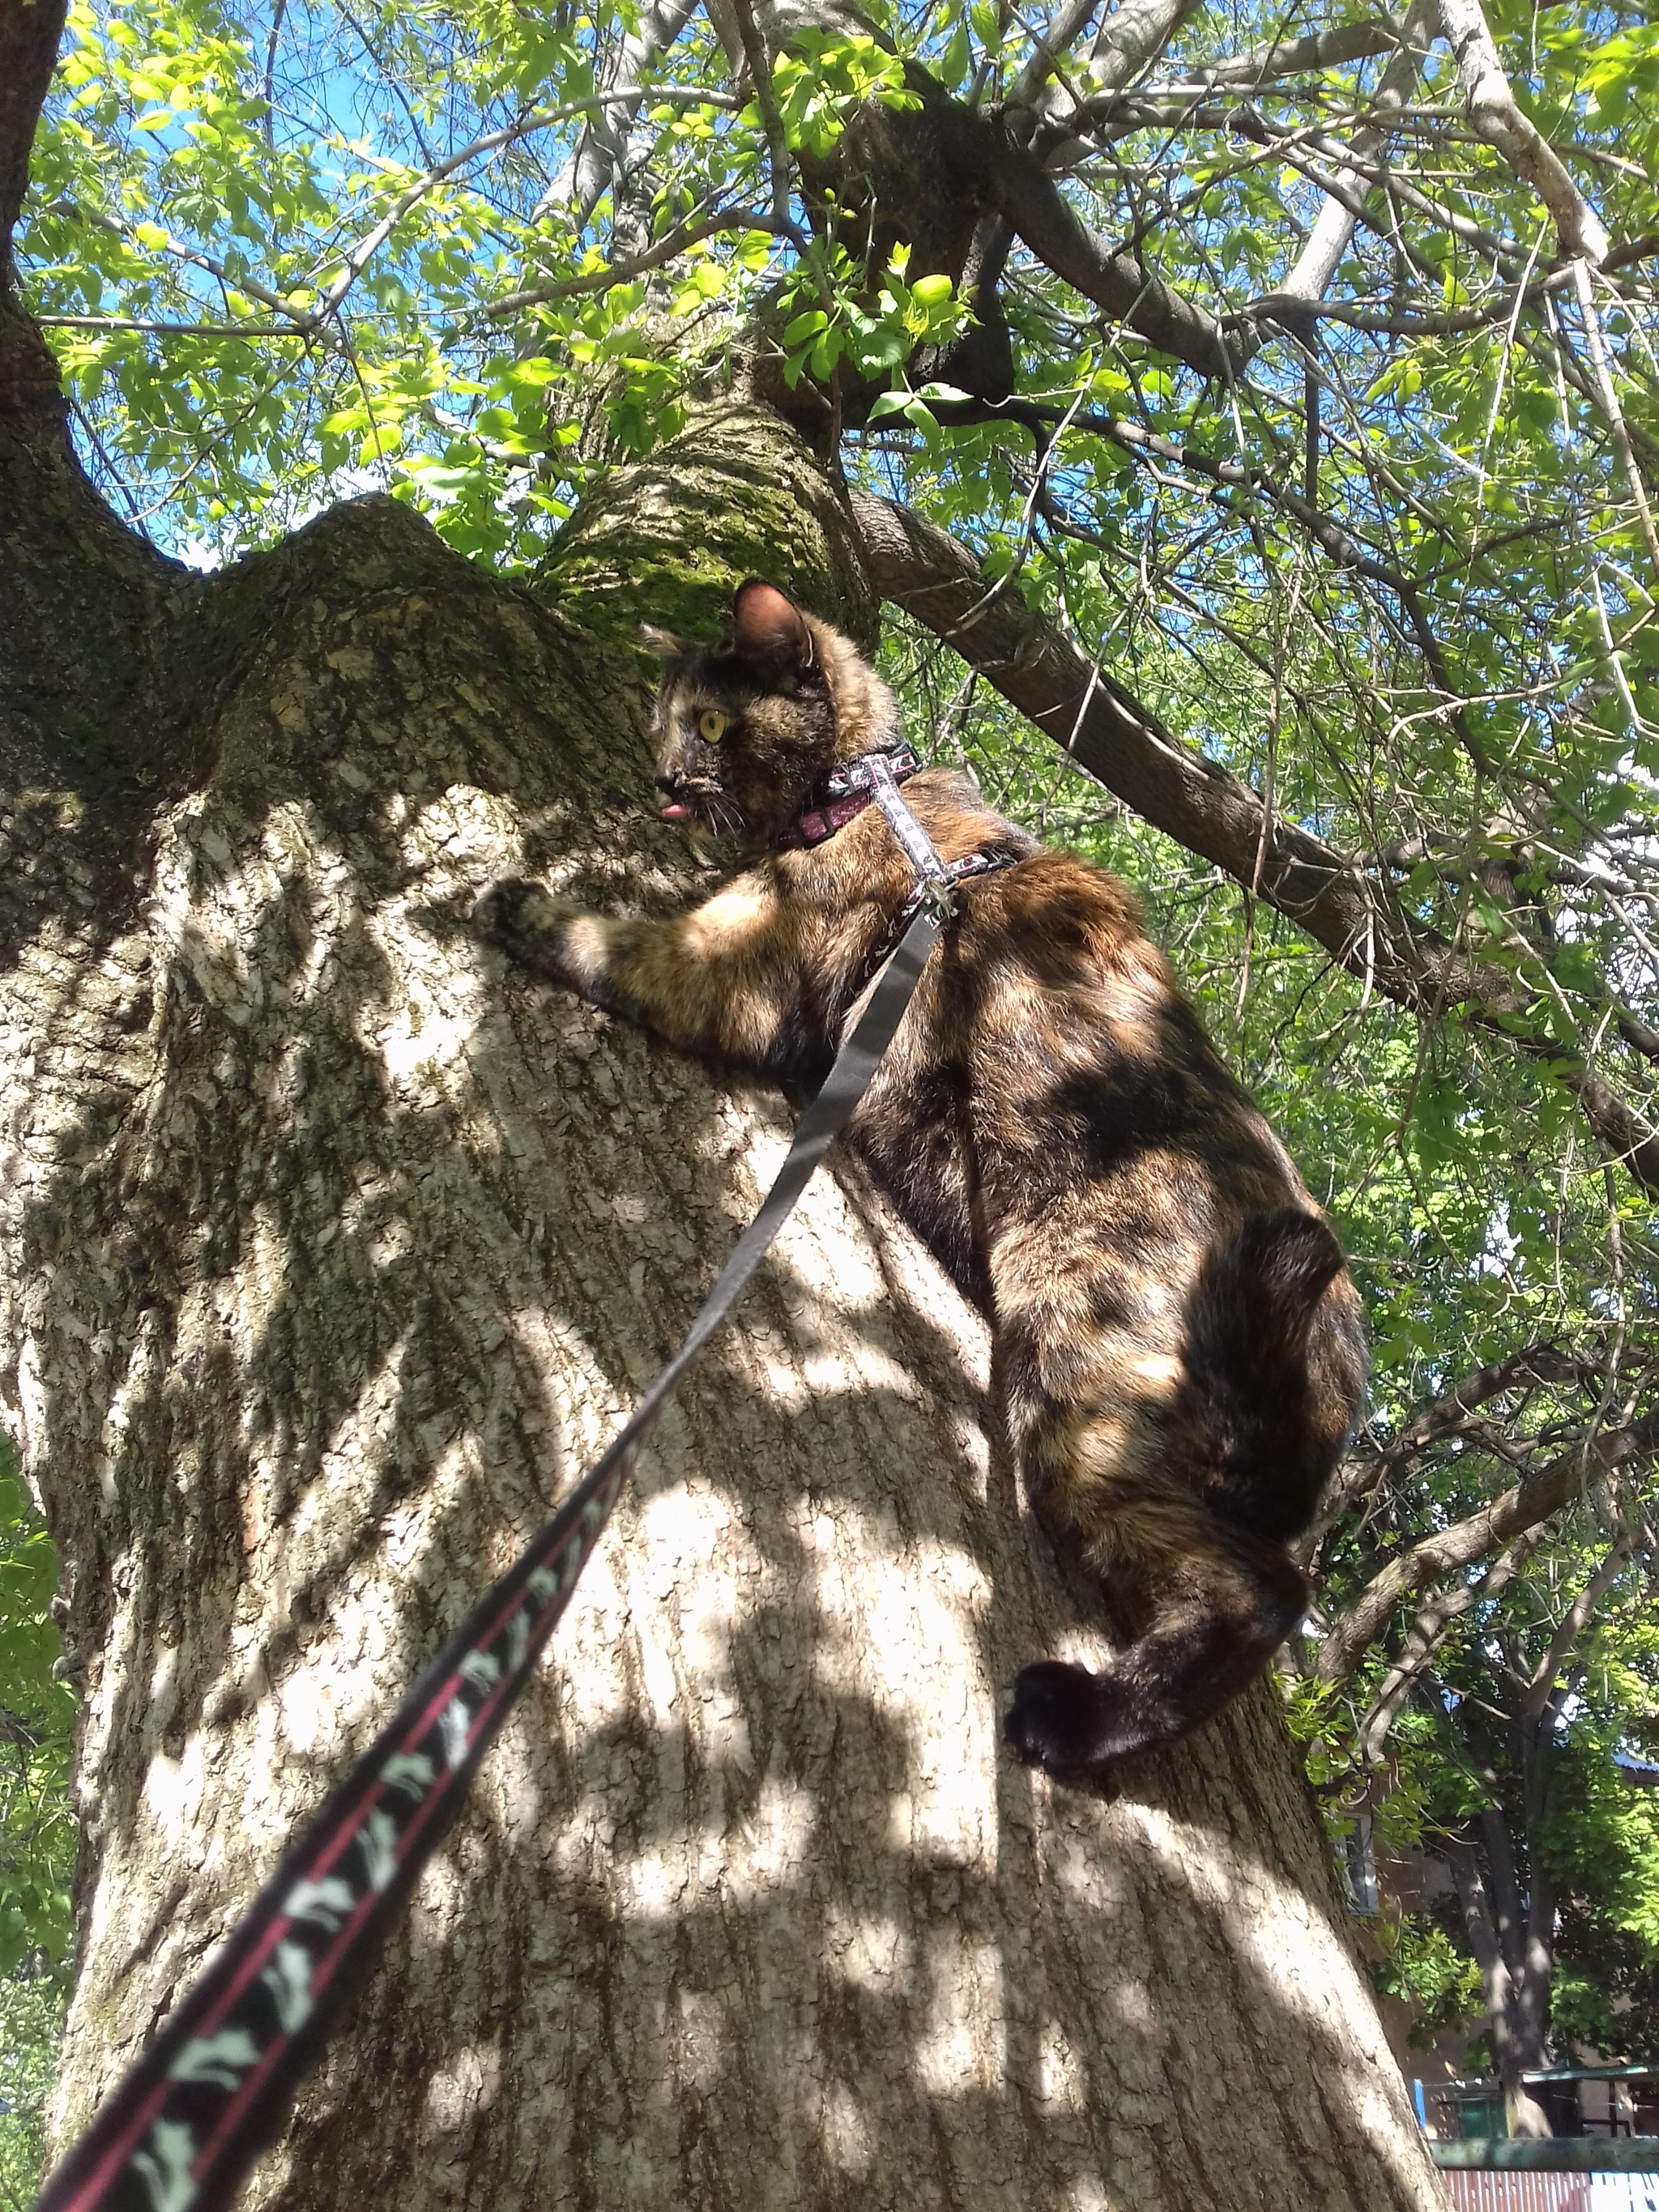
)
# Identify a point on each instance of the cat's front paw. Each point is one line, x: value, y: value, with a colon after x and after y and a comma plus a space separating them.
x: 529, y: 924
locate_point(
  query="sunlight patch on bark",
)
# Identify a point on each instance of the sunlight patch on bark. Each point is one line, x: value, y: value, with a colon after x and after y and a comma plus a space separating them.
x: 576, y: 1400
x: 146, y: 1367
x: 467, y: 2084
x: 896, y: 1629
x: 752, y: 1859
x: 844, y: 2131
x: 1060, y: 2078
x: 962, y: 2046
x: 868, y: 1951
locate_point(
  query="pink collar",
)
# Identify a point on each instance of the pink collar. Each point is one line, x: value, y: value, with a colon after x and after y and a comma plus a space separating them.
x: 822, y: 822
x: 846, y: 792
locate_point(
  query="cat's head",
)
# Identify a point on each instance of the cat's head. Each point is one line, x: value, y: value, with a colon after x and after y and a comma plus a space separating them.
x: 746, y: 727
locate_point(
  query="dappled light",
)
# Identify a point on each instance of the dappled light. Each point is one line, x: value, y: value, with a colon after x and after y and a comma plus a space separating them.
x: 379, y: 1246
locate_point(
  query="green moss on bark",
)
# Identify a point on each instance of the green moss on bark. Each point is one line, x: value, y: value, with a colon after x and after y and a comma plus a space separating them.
x: 668, y: 539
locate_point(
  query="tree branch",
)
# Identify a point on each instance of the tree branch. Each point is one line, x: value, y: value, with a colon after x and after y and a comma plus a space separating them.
x: 766, y: 99
x: 1570, y: 1627
x: 1337, y: 220
x: 1423, y: 1639
x: 1330, y: 895
x: 29, y: 35
x: 1449, y: 1550
x: 1497, y: 117
x: 1131, y: 38
x: 591, y: 171
x: 1440, y: 1417
x: 1013, y: 180
x: 1319, y: 50
x: 1055, y: 39
x: 544, y: 118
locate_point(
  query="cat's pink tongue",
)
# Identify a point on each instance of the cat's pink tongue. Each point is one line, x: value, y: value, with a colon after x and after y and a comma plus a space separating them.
x: 674, y: 811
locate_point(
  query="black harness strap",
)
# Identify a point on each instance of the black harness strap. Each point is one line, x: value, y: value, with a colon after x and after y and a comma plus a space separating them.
x: 182, y: 2128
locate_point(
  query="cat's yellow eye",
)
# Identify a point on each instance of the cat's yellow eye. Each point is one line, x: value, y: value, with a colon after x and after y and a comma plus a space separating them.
x: 711, y: 725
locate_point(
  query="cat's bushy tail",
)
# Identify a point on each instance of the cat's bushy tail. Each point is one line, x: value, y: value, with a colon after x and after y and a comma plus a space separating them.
x: 1251, y: 1403
x: 1196, y: 1541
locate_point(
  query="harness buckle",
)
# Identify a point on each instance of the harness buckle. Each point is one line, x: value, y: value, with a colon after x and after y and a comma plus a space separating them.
x: 939, y: 897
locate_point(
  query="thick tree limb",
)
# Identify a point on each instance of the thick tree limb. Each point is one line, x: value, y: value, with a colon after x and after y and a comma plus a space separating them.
x: 951, y: 146
x: 1319, y: 50
x: 1440, y: 1417
x: 1449, y: 1550
x: 1496, y: 115
x: 1337, y: 220
x: 1056, y: 39
x: 1113, y: 279
x: 599, y: 152
x: 29, y: 32
x: 1331, y: 894
x: 1132, y: 37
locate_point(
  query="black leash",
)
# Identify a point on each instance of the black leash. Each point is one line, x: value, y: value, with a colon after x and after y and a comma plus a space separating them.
x: 183, y: 2128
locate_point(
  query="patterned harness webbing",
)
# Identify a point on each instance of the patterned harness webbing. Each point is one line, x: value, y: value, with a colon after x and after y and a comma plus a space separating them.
x: 180, y: 2131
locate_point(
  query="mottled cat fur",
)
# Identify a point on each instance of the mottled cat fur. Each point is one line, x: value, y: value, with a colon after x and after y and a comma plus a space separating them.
x: 1179, y: 1340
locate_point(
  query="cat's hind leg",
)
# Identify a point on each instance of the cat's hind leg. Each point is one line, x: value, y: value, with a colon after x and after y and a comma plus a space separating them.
x: 1211, y: 1604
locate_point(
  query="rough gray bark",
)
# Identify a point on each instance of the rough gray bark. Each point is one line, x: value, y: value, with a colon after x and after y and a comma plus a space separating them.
x: 331, y: 1251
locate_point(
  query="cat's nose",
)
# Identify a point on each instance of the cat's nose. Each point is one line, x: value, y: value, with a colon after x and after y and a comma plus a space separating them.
x: 671, y: 784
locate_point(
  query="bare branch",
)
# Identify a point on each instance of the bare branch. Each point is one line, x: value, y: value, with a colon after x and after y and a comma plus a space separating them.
x: 1448, y: 1550
x: 1131, y: 38
x: 1013, y: 180
x: 1056, y: 39
x: 543, y: 118
x: 304, y: 319
x: 1570, y: 1627
x: 172, y: 330
x: 1319, y: 50
x: 1446, y: 1415
x: 1336, y: 221
x: 1585, y: 287
x: 592, y: 169
x: 1496, y: 115
x: 766, y: 99
x: 1423, y: 1639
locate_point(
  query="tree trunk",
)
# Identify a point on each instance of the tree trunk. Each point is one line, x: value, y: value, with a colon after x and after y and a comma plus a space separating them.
x: 332, y: 1250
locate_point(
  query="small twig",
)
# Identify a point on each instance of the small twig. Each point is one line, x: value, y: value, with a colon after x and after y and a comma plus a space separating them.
x: 1614, y: 412
x: 622, y: 272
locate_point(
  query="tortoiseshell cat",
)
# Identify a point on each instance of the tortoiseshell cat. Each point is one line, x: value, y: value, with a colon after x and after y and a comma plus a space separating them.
x: 1178, y: 1338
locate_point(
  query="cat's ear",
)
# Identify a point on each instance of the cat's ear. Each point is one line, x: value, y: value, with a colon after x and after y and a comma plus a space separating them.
x: 662, y: 642
x: 768, y: 626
